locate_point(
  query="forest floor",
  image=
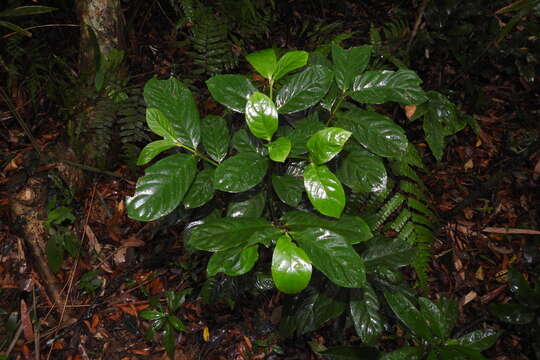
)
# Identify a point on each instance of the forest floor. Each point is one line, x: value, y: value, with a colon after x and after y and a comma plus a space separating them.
x: 485, y: 190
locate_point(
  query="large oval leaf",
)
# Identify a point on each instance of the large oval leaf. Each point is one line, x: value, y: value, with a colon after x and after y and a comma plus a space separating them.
x: 264, y: 62
x: 201, y: 191
x: 279, y: 149
x: 162, y: 187
x: 378, y: 133
x: 153, y: 149
x: 408, y: 314
x: 231, y: 91
x: 479, y: 340
x: 261, y: 116
x: 304, y: 90
x: 291, y: 268
x: 324, y: 190
x: 251, y: 207
x: 174, y: 100
x: 325, y: 144
x: 215, y: 137
x: 333, y: 256
x: 289, y: 189
x: 292, y: 60
x: 380, y: 86
x: 363, y: 172
x: 388, y: 252
x: 364, y: 307
x: 240, y: 172
x: 227, y: 233
x: 349, y: 63
x: 233, y: 262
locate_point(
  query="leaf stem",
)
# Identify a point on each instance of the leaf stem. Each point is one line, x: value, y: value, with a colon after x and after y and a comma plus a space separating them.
x: 196, y: 153
x: 335, y: 108
x: 271, y: 82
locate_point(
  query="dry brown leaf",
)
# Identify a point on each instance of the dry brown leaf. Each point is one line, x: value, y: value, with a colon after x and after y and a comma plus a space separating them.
x: 26, y: 322
x: 410, y: 110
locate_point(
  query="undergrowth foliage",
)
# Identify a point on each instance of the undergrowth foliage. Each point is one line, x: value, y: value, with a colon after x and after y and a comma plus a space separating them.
x: 315, y: 176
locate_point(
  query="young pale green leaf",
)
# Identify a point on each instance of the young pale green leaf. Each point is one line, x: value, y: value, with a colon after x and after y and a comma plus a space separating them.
x: 304, y: 89
x: 289, y: 189
x: 215, y: 137
x: 324, y: 190
x: 325, y: 144
x: 303, y: 130
x: 162, y: 188
x: 380, y: 86
x: 232, y: 91
x: 376, y: 132
x: 388, y: 252
x: 291, y: 267
x: 243, y: 141
x: 175, y: 101
x: 26, y: 10
x: 153, y: 149
x: 264, y: 62
x: 240, y: 172
x: 479, y: 340
x: 364, y: 308
x: 333, y: 256
x: 227, y: 233
x: 261, y: 116
x: 349, y: 63
x: 160, y: 124
x: 353, y: 228
x: 233, y: 262
x: 252, y: 207
x: 408, y: 314
x: 363, y: 172
x: 292, y: 60
x: 405, y: 353
x: 201, y: 191
x: 279, y: 149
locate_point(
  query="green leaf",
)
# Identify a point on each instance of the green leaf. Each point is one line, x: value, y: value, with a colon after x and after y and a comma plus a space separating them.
x: 388, y: 252
x: 162, y: 188
x: 442, y: 109
x: 513, y: 313
x: 333, y: 256
x: 252, y: 207
x: 264, y: 62
x: 378, y: 133
x: 215, y: 137
x: 324, y: 190
x: 304, y: 89
x: 405, y: 353
x: 325, y: 144
x: 227, y: 233
x: 364, y: 308
x: 291, y: 267
x: 380, y: 86
x: 160, y: 124
x: 176, y: 323
x: 169, y: 338
x: 456, y: 352
x: 289, y: 189
x: 363, y: 172
x: 434, y: 132
x: 479, y: 340
x: 440, y: 322
x: 153, y: 149
x: 201, y: 191
x: 292, y: 60
x: 350, y: 353
x: 175, y: 101
x: 54, y: 252
x: 16, y: 28
x: 261, y: 116
x: 240, y: 172
x: 353, y: 228
x: 233, y: 262
x: 303, y: 130
x: 232, y: 91
x: 349, y: 63
x: 26, y: 10
x: 242, y: 141
x: 408, y: 314
x: 151, y: 314
x: 279, y: 149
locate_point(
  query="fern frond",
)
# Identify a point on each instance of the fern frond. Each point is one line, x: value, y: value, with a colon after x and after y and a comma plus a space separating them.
x: 132, y: 124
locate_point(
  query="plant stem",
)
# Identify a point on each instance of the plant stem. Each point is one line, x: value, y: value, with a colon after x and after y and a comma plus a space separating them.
x: 196, y: 153
x: 271, y: 82
x: 333, y: 112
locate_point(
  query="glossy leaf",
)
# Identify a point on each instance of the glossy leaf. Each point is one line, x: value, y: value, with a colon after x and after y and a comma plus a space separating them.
x: 513, y: 313
x: 388, y: 252
x: 364, y: 308
x: 153, y: 149
x: 292, y: 60
x: 349, y: 63
x: 302, y: 132
x: 232, y: 91
x: 325, y: 144
x: 201, y: 191
x: 279, y: 149
x: 233, y: 262
x: 226, y: 233
x: 240, y: 172
x: 169, y: 338
x: 175, y: 101
x: 363, y: 172
x: 376, y: 132
x: 261, y: 116
x: 324, y: 190
x: 151, y: 314
x: 434, y: 133
x: 304, y: 89
x: 525, y: 294
x: 333, y: 256
x: 176, y: 323
x: 291, y: 267
x: 215, y: 137
x: 162, y: 188
x: 479, y: 340
x: 242, y: 141
x: 264, y: 62
x: 441, y: 322
x: 160, y: 124
x: 408, y: 314
x: 289, y: 189
x: 252, y: 207
x: 405, y: 353
x: 353, y: 228
x: 380, y: 86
